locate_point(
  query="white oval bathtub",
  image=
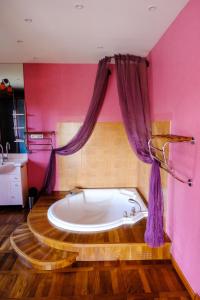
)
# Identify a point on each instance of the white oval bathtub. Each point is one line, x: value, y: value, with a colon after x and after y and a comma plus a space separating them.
x: 93, y: 210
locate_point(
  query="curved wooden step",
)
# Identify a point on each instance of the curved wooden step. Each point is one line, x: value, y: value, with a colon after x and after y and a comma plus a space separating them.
x: 37, y: 254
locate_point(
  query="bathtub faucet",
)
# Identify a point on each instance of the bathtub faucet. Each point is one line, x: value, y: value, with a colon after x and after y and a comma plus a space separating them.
x: 2, y: 155
x: 133, y: 212
x: 75, y: 191
x: 7, y: 149
x: 125, y: 214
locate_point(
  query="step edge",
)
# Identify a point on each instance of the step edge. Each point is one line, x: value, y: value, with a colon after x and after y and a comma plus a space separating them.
x: 39, y: 262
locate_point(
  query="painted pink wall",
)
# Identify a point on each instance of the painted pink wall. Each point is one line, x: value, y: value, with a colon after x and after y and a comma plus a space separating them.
x: 61, y: 93
x: 175, y: 95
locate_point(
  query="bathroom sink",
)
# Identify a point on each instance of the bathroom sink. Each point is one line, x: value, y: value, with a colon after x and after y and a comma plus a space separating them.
x: 17, y: 161
x: 6, y: 167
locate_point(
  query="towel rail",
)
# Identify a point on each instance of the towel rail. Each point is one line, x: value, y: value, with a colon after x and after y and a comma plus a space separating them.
x: 163, y: 160
x: 39, y: 140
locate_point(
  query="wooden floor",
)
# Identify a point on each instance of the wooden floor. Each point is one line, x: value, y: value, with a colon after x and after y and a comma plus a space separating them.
x: 125, y: 280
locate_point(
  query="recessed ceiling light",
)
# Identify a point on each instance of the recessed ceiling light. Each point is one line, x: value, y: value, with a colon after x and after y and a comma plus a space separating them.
x: 79, y: 6
x: 19, y: 41
x: 152, y: 8
x: 28, y: 20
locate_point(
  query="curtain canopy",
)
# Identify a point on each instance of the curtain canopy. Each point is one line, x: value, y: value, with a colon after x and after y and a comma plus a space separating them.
x: 131, y: 72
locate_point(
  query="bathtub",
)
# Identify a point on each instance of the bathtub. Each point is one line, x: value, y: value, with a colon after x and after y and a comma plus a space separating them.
x: 94, y: 210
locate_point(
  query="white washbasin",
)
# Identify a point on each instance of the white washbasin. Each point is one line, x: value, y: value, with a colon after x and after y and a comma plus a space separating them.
x: 7, y: 167
x: 17, y: 162
x: 18, y: 159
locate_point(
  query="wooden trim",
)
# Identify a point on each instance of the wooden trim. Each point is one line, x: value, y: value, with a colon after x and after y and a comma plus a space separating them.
x: 193, y: 295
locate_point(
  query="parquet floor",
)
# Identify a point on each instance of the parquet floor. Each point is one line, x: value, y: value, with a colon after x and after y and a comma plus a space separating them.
x: 125, y: 280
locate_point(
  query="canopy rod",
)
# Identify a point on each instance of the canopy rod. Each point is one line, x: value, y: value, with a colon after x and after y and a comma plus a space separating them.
x: 113, y: 57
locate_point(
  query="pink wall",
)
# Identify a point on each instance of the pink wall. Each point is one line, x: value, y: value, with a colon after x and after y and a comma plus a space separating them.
x: 175, y: 95
x: 61, y: 93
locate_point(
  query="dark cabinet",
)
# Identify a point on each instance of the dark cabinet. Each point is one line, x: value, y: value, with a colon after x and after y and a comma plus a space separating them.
x: 12, y: 120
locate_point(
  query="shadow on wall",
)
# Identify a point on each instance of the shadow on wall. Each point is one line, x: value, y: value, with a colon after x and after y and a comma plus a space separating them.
x: 36, y: 168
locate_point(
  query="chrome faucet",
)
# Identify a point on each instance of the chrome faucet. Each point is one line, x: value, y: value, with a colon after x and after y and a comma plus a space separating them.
x: 125, y: 214
x: 7, y: 149
x: 2, y: 157
x: 133, y: 212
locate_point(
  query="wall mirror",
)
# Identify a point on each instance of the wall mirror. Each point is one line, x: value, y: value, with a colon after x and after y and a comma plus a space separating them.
x: 12, y: 108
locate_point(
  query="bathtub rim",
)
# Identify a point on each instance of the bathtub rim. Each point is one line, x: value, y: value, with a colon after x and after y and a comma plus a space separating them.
x: 88, y: 228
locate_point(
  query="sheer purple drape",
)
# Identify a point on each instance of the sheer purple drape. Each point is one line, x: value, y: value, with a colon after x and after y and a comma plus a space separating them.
x: 154, y: 235
x: 82, y: 136
x: 133, y: 98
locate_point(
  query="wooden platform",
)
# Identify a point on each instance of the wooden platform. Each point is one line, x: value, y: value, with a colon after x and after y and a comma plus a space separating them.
x: 36, y: 254
x: 123, y: 243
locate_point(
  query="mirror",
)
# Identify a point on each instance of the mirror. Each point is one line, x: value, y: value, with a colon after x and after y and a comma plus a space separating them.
x: 12, y: 108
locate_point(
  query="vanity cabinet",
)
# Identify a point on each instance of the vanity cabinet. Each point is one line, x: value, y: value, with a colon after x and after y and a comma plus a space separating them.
x: 14, y: 187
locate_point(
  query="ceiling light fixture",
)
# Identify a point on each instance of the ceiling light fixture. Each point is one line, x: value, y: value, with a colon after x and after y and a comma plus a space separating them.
x: 100, y: 47
x: 79, y: 6
x: 152, y: 8
x: 19, y: 41
x: 28, y: 20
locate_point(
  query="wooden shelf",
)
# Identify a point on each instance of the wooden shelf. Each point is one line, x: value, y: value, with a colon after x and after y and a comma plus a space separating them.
x: 171, y: 138
x: 41, y: 132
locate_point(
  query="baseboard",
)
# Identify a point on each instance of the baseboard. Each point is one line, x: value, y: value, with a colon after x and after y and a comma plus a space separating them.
x: 193, y: 295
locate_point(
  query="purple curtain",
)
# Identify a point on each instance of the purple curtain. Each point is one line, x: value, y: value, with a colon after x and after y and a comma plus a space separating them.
x: 82, y: 136
x: 133, y: 97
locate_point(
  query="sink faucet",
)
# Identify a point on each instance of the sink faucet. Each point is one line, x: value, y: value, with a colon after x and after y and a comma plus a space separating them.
x: 7, y: 149
x: 2, y: 157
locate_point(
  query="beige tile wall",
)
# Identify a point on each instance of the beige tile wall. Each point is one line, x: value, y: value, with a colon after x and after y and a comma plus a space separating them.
x: 105, y: 161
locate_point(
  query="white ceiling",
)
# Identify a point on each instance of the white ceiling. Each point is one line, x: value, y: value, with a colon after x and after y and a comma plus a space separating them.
x: 61, y: 33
